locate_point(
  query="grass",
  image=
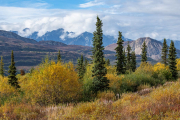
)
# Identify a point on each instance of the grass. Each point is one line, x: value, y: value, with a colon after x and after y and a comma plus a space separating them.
x: 162, y: 103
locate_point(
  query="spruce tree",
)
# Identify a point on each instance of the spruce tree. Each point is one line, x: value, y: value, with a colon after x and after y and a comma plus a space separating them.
x: 144, y: 52
x: 128, y: 58
x: 108, y: 62
x: 12, y: 70
x: 133, y: 61
x: 99, y: 71
x: 120, y: 57
x: 2, y: 69
x: 164, y: 53
x: 81, y: 67
x: 124, y: 61
x: 85, y: 62
x: 59, y: 57
x: 172, y: 60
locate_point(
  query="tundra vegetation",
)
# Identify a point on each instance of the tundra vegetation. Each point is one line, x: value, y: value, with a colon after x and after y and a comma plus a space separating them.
x: 59, y: 90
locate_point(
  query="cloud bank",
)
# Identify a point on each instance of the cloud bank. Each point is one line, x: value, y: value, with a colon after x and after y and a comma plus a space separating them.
x: 134, y: 18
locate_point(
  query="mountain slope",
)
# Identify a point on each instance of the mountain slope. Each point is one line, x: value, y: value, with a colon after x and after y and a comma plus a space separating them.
x: 153, y: 47
x: 8, y: 34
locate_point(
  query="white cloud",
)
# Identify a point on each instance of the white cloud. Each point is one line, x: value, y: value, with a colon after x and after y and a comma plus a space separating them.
x: 134, y: 18
x: 63, y: 36
x: 91, y: 4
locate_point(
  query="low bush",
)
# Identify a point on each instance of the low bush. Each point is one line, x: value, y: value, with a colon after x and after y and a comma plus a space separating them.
x: 51, y: 83
x: 21, y: 112
x: 131, y: 82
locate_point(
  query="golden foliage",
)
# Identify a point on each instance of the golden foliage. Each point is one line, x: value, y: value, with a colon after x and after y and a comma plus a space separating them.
x: 143, y: 86
x: 159, y: 66
x: 145, y: 68
x: 111, y: 69
x: 52, y: 83
x: 178, y: 64
x: 114, y: 79
x: 5, y: 88
x: 109, y: 95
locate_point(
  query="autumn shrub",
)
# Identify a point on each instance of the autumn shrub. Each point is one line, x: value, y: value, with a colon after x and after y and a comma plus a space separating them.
x: 22, y: 72
x: 52, y: 83
x: 87, y: 84
x: 111, y: 69
x: 106, y: 95
x: 131, y: 82
x: 161, y: 72
x: 178, y: 64
x: 114, y: 82
x: 21, y: 111
x: 162, y: 103
x: 143, y: 86
x: 7, y: 92
x: 145, y: 68
x: 90, y: 110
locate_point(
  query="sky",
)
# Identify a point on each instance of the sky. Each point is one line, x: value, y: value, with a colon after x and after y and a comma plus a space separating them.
x: 157, y: 19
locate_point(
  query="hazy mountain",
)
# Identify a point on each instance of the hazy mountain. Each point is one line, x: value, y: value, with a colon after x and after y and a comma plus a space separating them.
x: 153, y: 47
x: 176, y: 43
x: 60, y: 35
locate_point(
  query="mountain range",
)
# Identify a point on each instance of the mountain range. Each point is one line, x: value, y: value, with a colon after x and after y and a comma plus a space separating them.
x: 84, y: 39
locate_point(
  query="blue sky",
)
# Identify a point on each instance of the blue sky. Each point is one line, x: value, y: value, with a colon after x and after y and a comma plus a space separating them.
x: 157, y: 19
x: 49, y: 4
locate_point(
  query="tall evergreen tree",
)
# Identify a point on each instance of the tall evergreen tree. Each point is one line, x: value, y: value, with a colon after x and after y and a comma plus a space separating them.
x: 2, y: 69
x: 144, y: 52
x: 81, y: 67
x: 128, y: 58
x: 59, y: 57
x: 100, y: 82
x: 164, y: 53
x: 120, y: 57
x: 124, y: 61
x: 172, y: 60
x: 133, y: 61
x: 108, y: 62
x: 12, y: 70
x: 85, y: 62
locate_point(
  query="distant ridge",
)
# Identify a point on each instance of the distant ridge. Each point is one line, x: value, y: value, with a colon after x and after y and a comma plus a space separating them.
x: 153, y: 47
x: 50, y: 43
x: 9, y: 34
